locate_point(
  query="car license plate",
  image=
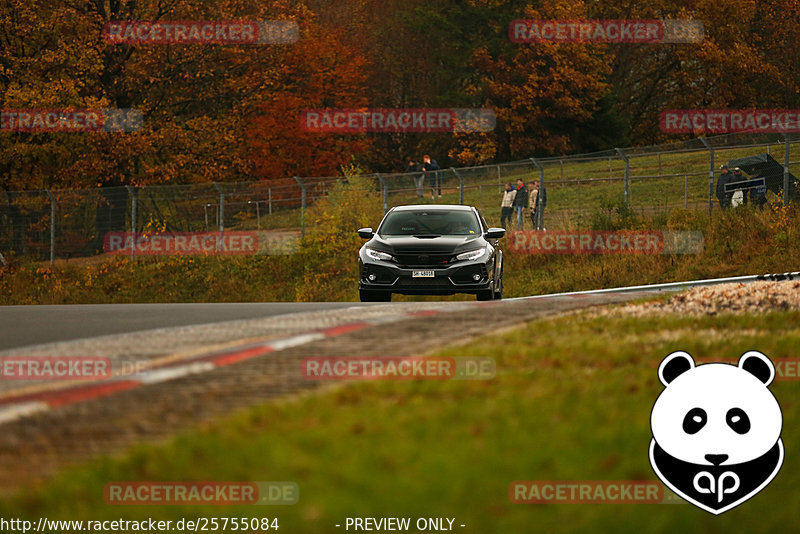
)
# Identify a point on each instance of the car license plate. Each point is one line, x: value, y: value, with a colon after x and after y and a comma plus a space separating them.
x: 422, y: 274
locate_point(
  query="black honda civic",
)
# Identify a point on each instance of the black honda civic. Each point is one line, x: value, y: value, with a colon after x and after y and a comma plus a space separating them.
x: 431, y: 250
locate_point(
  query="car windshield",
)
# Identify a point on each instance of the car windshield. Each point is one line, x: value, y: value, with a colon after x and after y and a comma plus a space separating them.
x: 430, y: 222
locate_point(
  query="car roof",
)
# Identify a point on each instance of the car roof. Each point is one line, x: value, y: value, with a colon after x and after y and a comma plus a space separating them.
x: 450, y: 207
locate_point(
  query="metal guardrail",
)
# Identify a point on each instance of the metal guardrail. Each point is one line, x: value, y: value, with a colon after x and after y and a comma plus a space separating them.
x: 675, y: 286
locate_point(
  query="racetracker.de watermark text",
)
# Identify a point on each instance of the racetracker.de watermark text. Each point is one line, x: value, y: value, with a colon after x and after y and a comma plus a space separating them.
x: 181, y: 244
x: 605, y: 242
x: 398, y: 368
x: 201, y: 493
x: 145, y: 32
x: 70, y: 120
x: 55, y: 368
x: 588, y: 492
x: 351, y: 121
x: 606, y: 31
x: 719, y: 121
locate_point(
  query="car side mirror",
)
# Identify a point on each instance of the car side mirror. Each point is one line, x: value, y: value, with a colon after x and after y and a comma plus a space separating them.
x: 495, y: 233
x: 366, y: 233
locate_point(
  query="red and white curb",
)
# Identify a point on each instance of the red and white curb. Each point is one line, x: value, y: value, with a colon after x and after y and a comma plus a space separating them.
x: 15, y: 407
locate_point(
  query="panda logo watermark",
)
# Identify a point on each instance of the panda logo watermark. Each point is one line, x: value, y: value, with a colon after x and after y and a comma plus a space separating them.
x: 716, y: 430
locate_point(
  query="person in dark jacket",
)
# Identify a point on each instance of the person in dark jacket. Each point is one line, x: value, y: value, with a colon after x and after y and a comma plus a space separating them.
x: 414, y: 169
x: 724, y: 196
x: 520, y: 201
x: 430, y: 167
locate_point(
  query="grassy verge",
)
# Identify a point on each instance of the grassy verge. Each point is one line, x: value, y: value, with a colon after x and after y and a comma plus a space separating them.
x: 736, y: 244
x: 571, y: 401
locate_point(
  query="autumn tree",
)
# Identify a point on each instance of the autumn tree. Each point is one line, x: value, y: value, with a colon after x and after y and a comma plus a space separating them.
x: 318, y: 72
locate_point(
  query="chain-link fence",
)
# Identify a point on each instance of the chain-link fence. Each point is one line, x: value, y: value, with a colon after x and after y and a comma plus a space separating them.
x: 50, y: 224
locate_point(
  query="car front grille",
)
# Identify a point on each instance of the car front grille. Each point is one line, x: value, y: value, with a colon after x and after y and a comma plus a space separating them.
x: 431, y: 257
x: 422, y: 282
x: 432, y: 261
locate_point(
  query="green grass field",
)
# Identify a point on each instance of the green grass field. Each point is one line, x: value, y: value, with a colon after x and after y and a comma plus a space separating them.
x: 571, y: 401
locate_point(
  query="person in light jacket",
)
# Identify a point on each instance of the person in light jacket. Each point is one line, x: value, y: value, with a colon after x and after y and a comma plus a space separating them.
x: 507, y: 205
x: 533, y: 196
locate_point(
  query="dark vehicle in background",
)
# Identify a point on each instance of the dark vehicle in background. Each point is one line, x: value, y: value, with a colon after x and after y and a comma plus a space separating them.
x: 431, y: 250
x: 764, y: 166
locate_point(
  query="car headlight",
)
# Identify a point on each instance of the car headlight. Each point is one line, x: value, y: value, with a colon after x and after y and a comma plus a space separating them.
x: 378, y: 255
x: 472, y: 254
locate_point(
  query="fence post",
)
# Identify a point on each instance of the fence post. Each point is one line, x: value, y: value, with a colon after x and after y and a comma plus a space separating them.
x: 269, y: 193
x: 685, y: 191
x: 539, y: 199
x: 258, y: 212
x: 52, y: 226
x: 302, y: 206
x: 710, y: 173
x: 786, y: 146
x: 499, y: 179
x: 627, y: 175
x: 132, y: 193
x: 385, y: 188
x: 460, y: 185
x: 221, y: 209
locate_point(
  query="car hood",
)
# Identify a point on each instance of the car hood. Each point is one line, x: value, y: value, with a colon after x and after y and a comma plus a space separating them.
x: 448, y: 243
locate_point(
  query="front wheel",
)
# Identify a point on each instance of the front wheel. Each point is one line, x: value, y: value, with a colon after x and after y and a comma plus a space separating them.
x: 487, y: 294
x: 375, y: 296
x: 498, y: 294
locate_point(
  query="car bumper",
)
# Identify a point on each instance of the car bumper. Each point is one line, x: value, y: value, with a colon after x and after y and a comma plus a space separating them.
x: 457, y: 278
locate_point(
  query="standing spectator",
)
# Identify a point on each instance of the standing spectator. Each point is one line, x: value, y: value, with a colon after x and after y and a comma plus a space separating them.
x: 533, y: 195
x: 430, y: 165
x: 724, y: 196
x: 739, y: 196
x: 419, y: 178
x: 507, y: 205
x: 520, y: 201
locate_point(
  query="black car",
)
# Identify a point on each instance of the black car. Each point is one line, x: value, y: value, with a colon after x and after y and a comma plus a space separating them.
x: 431, y: 250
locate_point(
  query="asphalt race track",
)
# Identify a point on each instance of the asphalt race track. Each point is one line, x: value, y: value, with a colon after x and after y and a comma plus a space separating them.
x: 21, y: 326
x: 189, y: 363
x: 184, y: 374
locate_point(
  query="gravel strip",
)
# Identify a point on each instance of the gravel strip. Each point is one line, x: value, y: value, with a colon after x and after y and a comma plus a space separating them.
x: 754, y: 297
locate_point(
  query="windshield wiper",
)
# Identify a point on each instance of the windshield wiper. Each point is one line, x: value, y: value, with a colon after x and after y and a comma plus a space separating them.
x: 427, y: 236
